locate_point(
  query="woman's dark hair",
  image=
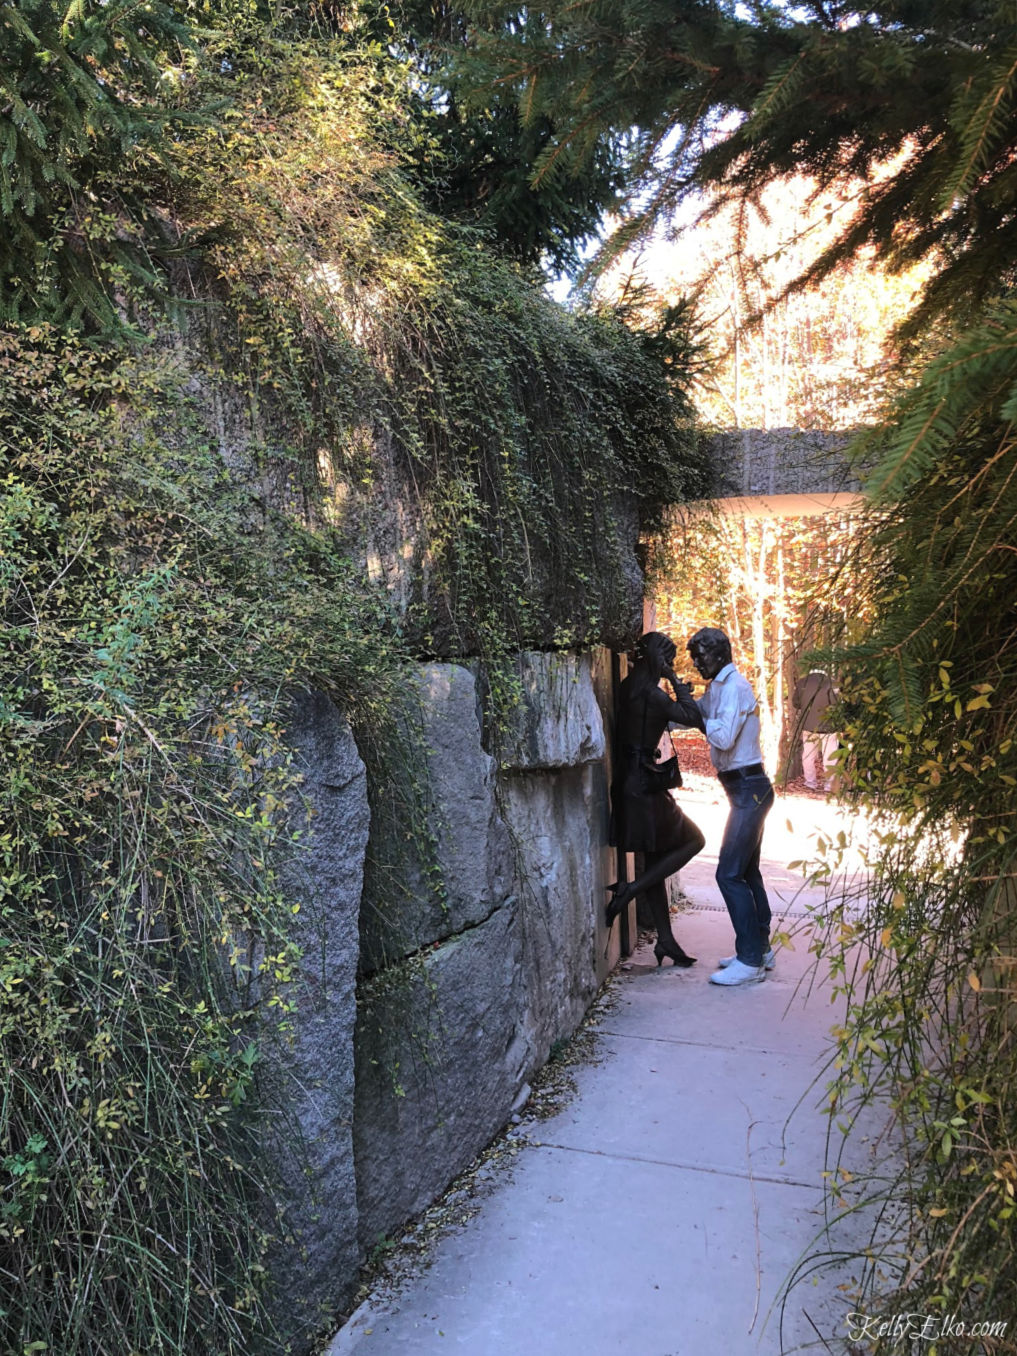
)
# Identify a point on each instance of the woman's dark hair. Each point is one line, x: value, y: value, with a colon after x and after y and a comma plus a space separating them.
x: 651, y: 640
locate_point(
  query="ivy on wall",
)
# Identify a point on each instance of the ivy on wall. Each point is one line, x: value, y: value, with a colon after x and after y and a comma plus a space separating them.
x: 399, y: 353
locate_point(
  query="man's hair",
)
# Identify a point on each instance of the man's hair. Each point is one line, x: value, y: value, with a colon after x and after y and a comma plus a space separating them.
x: 712, y: 639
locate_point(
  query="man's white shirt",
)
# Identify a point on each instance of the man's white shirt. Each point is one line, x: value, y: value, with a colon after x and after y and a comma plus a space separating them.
x: 731, y: 713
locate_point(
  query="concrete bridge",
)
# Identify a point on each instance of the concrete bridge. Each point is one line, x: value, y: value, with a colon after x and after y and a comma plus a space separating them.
x: 783, y: 472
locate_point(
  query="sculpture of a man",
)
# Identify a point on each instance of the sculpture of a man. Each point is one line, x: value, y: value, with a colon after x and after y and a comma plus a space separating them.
x: 730, y: 715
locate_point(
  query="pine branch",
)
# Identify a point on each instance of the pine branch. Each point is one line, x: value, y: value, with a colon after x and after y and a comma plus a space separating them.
x: 984, y: 128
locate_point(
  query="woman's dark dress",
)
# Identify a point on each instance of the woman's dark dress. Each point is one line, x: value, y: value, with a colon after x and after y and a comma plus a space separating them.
x: 644, y: 820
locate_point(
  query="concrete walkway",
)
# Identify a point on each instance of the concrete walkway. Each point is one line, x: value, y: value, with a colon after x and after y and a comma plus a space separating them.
x: 662, y: 1212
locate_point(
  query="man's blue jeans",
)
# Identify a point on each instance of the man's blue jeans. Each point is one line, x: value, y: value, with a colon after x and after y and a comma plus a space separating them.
x: 738, y: 875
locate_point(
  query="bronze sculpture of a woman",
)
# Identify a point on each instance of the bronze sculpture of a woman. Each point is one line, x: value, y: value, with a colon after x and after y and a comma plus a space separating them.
x: 646, y: 817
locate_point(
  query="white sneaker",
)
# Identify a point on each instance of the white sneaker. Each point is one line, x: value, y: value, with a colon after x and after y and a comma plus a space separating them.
x: 769, y: 961
x: 738, y: 973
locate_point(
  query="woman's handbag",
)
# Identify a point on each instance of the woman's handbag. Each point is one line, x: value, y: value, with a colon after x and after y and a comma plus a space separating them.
x: 661, y: 776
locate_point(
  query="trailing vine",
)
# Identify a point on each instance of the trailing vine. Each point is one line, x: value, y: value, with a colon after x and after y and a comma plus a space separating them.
x: 420, y: 368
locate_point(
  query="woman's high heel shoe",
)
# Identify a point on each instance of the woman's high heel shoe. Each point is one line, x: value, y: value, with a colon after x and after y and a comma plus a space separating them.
x: 678, y: 956
x: 621, y: 894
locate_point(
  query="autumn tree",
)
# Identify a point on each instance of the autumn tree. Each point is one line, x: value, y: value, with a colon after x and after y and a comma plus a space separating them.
x: 777, y: 357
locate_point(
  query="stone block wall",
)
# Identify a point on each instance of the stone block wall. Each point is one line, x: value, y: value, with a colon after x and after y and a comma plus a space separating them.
x: 396, y: 1083
x: 309, y: 1066
x: 554, y: 800
x: 440, y: 748
x: 441, y: 1055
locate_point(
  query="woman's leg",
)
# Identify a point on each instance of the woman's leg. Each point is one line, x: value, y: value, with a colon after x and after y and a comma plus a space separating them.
x: 658, y: 866
x: 667, y: 943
